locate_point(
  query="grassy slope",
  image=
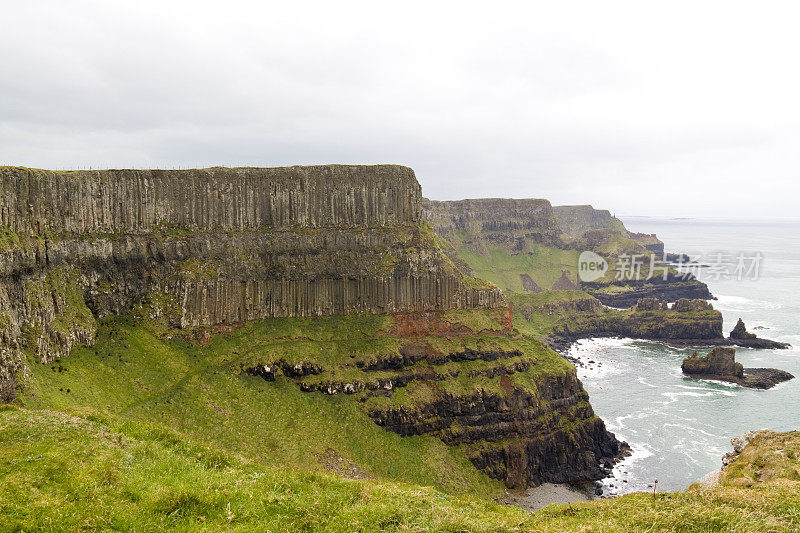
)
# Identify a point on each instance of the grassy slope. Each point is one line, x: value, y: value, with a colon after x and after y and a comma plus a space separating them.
x: 201, y: 392
x: 540, y: 323
x: 68, y: 472
x: 544, y: 264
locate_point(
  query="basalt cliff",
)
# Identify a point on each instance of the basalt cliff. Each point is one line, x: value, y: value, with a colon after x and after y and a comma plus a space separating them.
x: 528, y: 246
x: 223, y: 245
x: 226, y: 246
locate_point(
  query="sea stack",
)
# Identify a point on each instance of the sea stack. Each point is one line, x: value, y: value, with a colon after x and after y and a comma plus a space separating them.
x: 720, y: 364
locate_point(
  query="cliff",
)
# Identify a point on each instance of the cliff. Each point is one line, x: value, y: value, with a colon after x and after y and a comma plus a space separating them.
x: 576, y: 220
x: 526, y: 245
x: 220, y: 245
x: 360, y: 295
x: 512, y: 223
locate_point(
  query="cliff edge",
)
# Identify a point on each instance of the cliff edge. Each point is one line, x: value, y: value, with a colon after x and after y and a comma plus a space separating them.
x: 212, y: 246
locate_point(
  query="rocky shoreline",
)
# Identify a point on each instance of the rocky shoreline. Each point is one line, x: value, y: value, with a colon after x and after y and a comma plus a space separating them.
x: 562, y: 343
x: 687, y: 323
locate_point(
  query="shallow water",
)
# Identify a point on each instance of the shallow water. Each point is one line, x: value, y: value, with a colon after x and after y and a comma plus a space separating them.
x: 679, y: 428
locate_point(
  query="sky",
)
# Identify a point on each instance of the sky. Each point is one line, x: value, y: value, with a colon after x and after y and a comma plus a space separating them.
x: 643, y: 108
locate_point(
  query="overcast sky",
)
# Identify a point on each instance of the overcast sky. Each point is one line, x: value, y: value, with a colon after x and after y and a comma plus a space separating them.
x: 664, y: 108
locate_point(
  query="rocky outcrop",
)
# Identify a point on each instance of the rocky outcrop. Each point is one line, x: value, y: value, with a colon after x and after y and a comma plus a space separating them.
x: 741, y: 337
x: 740, y: 332
x: 625, y: 293
x: 564, y: 283
x: 720, y: 364
x: 650, y: 242
x: 687, y: 322
x: 529, y: 285
x: 684, y: 323
x: 486, y: 393
x: 739, y: 443
x: 514, y: 435
x: 215, y: 246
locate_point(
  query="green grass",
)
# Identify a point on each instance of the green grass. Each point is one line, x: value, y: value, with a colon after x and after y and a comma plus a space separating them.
x: 201, y: 392
x: 89, y: 471
x: 70, y: 472
x: 549, y: 312
x: 543, y: 263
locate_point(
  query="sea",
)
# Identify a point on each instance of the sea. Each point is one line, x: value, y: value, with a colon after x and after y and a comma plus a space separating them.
x: 679, y: 428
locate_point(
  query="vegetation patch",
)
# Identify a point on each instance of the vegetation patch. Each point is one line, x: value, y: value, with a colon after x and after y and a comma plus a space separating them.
x: 105, y: 472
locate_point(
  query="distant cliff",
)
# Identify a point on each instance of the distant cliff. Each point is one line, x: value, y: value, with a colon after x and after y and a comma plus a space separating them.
x: 527, y: 245
x: 212, y: 246
x: 511, y: 222
x: 577, y: 220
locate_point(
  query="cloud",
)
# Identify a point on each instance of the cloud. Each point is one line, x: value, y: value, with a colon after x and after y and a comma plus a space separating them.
x: 676, y: 109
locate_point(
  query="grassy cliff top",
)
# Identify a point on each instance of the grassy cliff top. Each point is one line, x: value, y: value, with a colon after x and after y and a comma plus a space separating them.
x: 84, y: 470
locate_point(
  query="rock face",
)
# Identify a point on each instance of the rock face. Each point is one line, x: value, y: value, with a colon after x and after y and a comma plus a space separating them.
x: 720, y: 364
x: 485, y: 392
x: 575, y: 220
x: 673, y: 288
x: 215, y: 199
x: 511, y: 222
x: 511, y: 436
x: 212, y: 246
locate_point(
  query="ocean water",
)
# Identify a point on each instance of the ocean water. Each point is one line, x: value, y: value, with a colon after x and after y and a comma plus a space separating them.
x: 680, y: 428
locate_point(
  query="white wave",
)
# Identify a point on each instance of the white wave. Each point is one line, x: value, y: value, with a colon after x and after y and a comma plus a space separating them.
x: 639, y: 451
x: 646, y: 383
x: 692, y: 429
x: 728, y: 302
x: 593, y: 346
x: 703, y: 385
